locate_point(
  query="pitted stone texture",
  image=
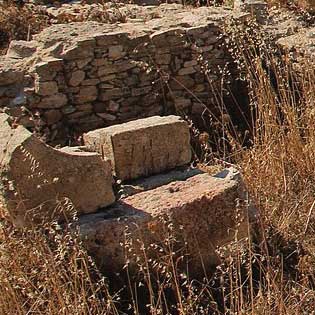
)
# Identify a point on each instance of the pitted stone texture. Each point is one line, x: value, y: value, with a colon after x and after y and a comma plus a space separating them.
x: 203, y: 211
x: 21, y: 49
x: 36, y: 178
x: 11, y: 72
x: 143, y: 147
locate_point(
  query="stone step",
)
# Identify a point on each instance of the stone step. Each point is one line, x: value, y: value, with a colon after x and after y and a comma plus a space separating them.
x: 201, y: 213
x: 143, y: 147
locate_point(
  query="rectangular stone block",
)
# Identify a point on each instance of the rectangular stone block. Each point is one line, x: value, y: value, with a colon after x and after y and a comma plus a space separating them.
x: 201, y: 213
x: 144, y: 146
x: 40, y: 183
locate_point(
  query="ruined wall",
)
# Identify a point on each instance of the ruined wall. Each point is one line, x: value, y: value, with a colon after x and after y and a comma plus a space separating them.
x: 81, y: 76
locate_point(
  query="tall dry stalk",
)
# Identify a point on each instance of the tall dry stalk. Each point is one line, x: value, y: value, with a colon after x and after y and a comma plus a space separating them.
x: 45, y: 270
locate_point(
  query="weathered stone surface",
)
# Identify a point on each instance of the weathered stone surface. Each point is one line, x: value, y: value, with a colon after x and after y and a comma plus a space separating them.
x: 185, y: 71
x: 116, y: 52
x: 46, y: 88
x: 143, y: 184
x: 76, y: 78
x: 37, y: 178
x: 47, y: 69
x: 203, y: 211
x: 10, y: 72
x: 106, y: 116
x: 86, y: 94
x: 144, y: 146
x: 21, y: 49
x: 53, y: 101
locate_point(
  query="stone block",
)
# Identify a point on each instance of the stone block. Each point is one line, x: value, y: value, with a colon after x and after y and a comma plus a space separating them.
x: 76, y: 78
x: 201, y: 213
x: 78, y: 51
x: 47, y: 69
x: 107, y: 116
x: 19, y: 49
x: 37, y: 179
x: 144, y: 146
x: 114, y: 93
x: 86, y: 94
x: 116, y: 52
x: 53, y: 101
x: 46, y: 88
x: 10, y: 72
x: 186, y: 71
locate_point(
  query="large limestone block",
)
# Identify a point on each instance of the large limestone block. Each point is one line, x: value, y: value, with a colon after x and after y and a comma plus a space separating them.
x: 203, y: 211
x: 35, y: 178
x: 143, y: 147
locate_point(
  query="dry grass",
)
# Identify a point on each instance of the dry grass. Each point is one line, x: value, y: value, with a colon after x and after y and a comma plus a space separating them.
x: 19, y: 23
x: 44, y: 271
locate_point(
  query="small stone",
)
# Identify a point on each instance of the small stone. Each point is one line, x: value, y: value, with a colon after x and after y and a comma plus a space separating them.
x: 82, y: 63
x: 182, y: 83
x: 86, y: 94
x: 107, y: 116
x: 21, y: 49
x: 84, y: 107
x: 99, y: 107
x: 46, y: 88
x: 190, y: 63
x: 113, y: 106
x: 106, y: 70
x: 141, y: 91
x: 53, y: 101
x: 185, y: 71
x: 116, y: 52
x: 98, y: 62
x: 114, y: 93
x: 108, y: 78
x: 76, y: 78
x: 68, y: 109
x: 106, y: 86
x: 199, y: 88
x: 90, y: 82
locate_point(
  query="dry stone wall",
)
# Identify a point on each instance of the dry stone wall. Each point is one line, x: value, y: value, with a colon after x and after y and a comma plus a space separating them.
x: 81, y: 76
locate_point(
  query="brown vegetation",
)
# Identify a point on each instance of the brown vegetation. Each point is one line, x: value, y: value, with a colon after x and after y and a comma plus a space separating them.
x: 44, y: 271
x: 19, y: 23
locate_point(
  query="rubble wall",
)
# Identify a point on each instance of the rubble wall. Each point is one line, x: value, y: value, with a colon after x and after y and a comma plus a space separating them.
x: 82, y: 76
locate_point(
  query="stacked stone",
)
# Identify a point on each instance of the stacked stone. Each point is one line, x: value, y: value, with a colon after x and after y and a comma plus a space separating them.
x: 115, y: 76
x: 192, y: 59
